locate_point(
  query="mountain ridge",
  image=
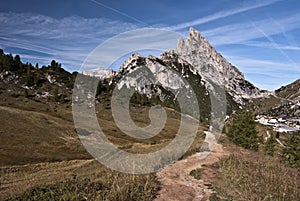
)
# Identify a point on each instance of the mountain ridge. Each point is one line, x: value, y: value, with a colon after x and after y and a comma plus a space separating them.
x: 195, y: 51
x: 290, y: 91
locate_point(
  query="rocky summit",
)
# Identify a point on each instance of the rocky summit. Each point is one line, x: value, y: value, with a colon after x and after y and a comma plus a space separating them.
x: 198, y: 62
x: 212, y: 66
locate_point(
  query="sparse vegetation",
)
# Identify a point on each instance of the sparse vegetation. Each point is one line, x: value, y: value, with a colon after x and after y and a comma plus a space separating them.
x: 286, y: 109
x: 197, y: 144
x: 290, y: 91
x: 215, y: 197
x: 107, y: 185
x: 196, y: 173
x: 256, y: 178
x: 49, y: 139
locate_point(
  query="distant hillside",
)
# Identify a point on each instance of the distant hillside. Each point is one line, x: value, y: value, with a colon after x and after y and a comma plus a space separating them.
x: 285, y: 100
x: 290, y: 94
x: 46, y: 83
x: 290, y: 91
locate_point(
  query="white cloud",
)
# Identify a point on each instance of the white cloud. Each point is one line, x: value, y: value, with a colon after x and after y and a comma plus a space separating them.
x: 132, y: 41
x: 266, y: 74
x: 238, y: 33
x: 271, y: 45
x: 264, y: 66
x: 68, y: 40
x: 239, y: 9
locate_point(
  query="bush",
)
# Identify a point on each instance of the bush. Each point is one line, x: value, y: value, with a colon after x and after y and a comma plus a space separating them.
x: 15, y: 95
x: 196, y: 173
x: 26, y: 93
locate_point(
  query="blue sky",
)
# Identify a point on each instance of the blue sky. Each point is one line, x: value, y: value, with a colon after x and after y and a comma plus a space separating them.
x: 260, y: 37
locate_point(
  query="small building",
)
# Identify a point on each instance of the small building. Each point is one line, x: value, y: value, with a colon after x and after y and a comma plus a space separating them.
x: 273, y: 122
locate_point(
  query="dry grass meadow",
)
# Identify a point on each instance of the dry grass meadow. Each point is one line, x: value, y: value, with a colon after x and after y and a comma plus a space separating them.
x: 42, y: 157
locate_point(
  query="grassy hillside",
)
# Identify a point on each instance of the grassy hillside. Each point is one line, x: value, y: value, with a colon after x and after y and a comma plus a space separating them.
x: 30, y: 137
x: 42, y: 158
x: 290, y: 91
x: 249, y: 175
x: 254, y: 177
x: 73, y: 180
x: 283, y: 101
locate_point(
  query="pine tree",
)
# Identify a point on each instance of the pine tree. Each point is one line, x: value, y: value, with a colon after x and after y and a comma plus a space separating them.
x: 26, y: 93
x: 55, y: 94
x: 17, y: 60
x: 242, y: 131
x: 291, y: 152
x: 270, y: 146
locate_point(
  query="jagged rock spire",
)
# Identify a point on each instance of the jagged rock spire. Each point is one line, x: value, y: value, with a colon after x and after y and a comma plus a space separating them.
x: 195, y: 35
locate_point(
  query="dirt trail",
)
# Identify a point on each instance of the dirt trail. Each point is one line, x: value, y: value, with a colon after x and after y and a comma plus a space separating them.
x: 177, y: 184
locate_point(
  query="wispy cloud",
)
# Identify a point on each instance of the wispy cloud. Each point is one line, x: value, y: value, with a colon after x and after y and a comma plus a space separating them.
x: 266, y: 74
x: 266, y: 66
x: 150, y: 39
x: 241, y: 32
x: 68, y: 39
x: 222, y: 14
x: 119, y: 12
x: 270, y: 45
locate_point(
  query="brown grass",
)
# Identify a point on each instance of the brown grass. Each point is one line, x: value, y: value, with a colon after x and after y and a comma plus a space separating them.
x: 41, y: 153
x: 256, y: 178
x: 74, y: 180
x: 30, y: 137
x: 262, y: 105
x: 247, y: 175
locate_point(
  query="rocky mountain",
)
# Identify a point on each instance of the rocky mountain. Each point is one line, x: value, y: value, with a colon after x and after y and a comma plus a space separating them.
x: 212, y: 66
x: 199, y: 63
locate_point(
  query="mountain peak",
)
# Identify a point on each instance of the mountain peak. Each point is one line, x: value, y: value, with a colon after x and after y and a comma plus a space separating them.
x: 134, y: 60
x: 202, y: 59
x: 195, y: 35
x: 212, y: 66
x: 194, y: 40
